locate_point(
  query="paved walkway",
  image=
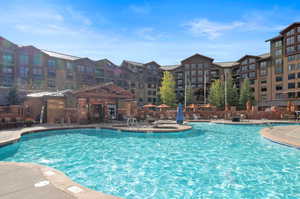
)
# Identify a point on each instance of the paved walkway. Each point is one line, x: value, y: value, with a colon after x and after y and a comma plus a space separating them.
x: 287, y: 135
x: 31, y: 181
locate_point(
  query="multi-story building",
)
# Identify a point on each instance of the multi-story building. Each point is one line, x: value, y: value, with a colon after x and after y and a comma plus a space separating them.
x: 198, y: 71
x: 144, y: 80
x: 274, y: 76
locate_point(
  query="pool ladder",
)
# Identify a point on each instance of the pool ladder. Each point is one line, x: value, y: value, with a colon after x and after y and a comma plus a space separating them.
x: 131, y: 122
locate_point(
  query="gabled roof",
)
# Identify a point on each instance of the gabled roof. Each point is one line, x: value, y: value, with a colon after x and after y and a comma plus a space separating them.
x: 275, y: 38
x: 226, y: 64
x: 107, y: 90
x: 290, y: 27
x: 170, y: 67
x: 60, y: 55
x: 152, y: 62
x: 254, y: 56
x: 133, y: 63
x: 198, y: 55
x: 265, y: 56
x: 106, y: 61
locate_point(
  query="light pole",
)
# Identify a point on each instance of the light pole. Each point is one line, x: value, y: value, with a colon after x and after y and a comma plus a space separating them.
x: 225, y: 78
x: 185, y: 81
x: 204, y: 86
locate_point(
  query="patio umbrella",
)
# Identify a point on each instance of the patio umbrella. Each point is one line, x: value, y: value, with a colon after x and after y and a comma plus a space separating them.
x: 149, y: 106
x: 179, y: 115
x: 162, y: 106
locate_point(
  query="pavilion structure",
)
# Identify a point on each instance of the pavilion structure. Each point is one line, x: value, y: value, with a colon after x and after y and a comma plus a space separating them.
x: 104, y: 102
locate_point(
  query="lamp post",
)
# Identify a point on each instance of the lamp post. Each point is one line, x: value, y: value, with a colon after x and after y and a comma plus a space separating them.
x: 225, y: 78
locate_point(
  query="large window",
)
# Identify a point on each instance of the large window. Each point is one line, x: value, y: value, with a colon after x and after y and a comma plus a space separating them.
x: 278, y: 52
x: 252, y: 67
x: 290, y: 49
x: 278, y: 87
x: 278, y: 78
x: 291, y: 67
x: 37, y: 59
x: 7, y: 70
x: 24, y: 59
x: 278, y: 43
x: 23, y: 71
x: 290, y: 40
x: 291, y: 85
x: 278, y: 69
x: 7, y: 58
x: 291, y: 76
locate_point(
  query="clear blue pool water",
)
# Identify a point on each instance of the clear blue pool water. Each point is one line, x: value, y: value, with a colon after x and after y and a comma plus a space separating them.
x: 210, y: 161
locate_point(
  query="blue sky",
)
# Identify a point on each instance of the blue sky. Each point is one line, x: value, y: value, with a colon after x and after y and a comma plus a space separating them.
x: 165, y: 31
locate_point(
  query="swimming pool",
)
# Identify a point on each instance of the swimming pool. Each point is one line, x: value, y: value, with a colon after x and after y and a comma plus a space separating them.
x: 210, y: 161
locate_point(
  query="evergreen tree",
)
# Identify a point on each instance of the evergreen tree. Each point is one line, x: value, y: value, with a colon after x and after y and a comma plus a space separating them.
x: 246, y: 94
x: 167, y: 89
x: 216, y: 94
x: 232, y: 93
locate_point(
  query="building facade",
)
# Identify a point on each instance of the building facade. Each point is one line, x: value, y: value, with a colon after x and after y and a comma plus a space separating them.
x: 198, y: 72
x: 274, y: 76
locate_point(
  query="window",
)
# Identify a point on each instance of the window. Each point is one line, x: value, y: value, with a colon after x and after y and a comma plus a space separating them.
x: 291, y: 85
x: 245, y: 76
x: 7, y: 70
x: 37, y: 59
x: 298, y: 29
x: 81, y: 68
x: 278, y: 78
x: 291, y: 32
x: 290, y: 40
x: 290, y: 49
x: 291, y: 76
x: 298, y: 38
x: 23, y: 71
x: 279, y: 96
x: 24, y: 59
x: 51, y: 83
x: 245, y: 62
x: 298, y: 84
x: 252, y: 67
x: 278, y: 69
x: 263, y: 89
x: 263, y: 65
x: 52, y: 62
x: 7, y: 58
x: 263, y: 72
x: 278, y: 87
x: 252, y: 75
x: 278, y: 52
x: 263, y: 81
x: 251, y: 60
x: 252, y: 81
x: 291, y: 67
x: 291, y: 95
x: 244, y: 68
x: 278, y: 62
x: 278, y: 43
x: 37, y: 71
x: 291, y: 58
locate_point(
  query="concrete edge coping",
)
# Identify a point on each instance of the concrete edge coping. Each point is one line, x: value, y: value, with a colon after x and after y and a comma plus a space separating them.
x: 60, y: 181
x: 268, y: 133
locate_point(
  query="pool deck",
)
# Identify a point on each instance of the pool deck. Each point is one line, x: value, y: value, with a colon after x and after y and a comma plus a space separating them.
x: 286, y: 135
x: 32, y: 181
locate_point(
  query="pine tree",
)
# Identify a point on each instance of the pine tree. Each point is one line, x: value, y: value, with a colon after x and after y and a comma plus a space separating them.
x: 167, y: 89
x: 231, y: 93
x: 246, y: 94
x: 216, y: 94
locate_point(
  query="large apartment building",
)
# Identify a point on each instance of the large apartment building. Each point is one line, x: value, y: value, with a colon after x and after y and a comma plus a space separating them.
x: 274, y: 76
x: 198, y: 71
x: 144, y: 80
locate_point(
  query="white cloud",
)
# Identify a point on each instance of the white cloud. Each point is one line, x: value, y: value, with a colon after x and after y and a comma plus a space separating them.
x: 212, y: 30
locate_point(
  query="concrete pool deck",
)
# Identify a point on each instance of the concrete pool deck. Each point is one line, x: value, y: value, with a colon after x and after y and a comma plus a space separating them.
x: 286, y: 135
